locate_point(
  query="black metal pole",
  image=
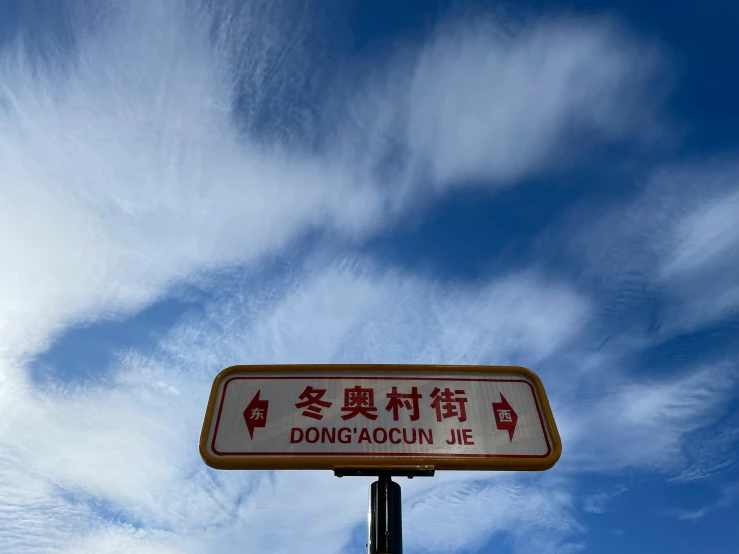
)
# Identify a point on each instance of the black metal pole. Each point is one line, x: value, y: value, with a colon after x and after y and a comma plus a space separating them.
x: 385, y: 517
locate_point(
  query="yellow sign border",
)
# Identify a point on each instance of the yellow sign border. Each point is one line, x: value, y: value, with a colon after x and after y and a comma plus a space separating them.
x: 331, y: 462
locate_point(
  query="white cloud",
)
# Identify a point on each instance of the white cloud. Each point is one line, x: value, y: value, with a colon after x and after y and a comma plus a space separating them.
x: 464, y: 517
x: 674, y: 245
x: 119, y: 541
x: 131, y: 443
x: 33, y: 517
x: 711, y: 451
x: 120, y: 177
x: 704, y: 235
x: 687, y: 515
x: 596, y: 503
x: 701, y: 263
x: 646, y: 423
x: 491, y: 101
x: 123, y: 172
x: 725, y: 500
x: 517, y: 318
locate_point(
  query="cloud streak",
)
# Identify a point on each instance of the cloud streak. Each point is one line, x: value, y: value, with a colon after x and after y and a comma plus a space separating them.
x: 124, y: 172
x: 669, y: 249
x: 140, y: 159
x: 128, y: 442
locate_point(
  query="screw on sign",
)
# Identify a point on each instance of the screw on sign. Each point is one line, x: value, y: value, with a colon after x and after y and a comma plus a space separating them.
x: 381, y: 420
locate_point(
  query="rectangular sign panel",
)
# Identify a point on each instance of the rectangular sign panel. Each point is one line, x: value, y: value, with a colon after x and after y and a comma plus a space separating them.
x: 328, y: 416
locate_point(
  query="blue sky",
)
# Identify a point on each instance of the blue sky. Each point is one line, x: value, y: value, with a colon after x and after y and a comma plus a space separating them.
x: 190, y: 185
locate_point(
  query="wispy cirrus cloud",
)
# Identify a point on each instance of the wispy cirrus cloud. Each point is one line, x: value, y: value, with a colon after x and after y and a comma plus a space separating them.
x: 125, y: 442
x: 128, y: 442
x: 126, y: 171
x: 466, y: 516
x: 129, y: 171
x: 670, y: 250
x: 489, y: 101
x: 596, y: 503
x: 709, y: 452
x: 646, y: 423
x: 687, y: 515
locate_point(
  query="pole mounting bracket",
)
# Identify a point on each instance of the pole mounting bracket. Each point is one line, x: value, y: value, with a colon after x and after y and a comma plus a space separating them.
x: 410, y: 472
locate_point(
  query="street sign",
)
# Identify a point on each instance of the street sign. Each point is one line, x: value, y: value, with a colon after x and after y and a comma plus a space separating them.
x: 369, y: 416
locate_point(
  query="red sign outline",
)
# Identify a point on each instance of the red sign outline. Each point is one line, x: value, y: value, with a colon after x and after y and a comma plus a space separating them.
x: 406, y: 455
x: 297, y: 460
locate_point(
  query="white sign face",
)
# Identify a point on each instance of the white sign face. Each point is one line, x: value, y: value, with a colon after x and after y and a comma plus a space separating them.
x: 313, y: 417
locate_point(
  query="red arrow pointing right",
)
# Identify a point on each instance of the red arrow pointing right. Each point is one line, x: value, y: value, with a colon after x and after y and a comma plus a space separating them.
x: 505, y: 417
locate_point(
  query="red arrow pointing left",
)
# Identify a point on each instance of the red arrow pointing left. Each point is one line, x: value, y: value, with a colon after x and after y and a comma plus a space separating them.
x: 505, y: 417
x: 255, y: 414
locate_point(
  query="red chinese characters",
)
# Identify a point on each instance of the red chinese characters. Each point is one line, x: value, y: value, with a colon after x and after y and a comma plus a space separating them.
x: 359, y: 400
x: 449, y: 403
x: 409, y: 401
x: 312, y: 402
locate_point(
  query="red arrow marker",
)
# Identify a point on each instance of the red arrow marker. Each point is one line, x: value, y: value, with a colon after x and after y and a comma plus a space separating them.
x: 255, y: 414
x: 505, y: 417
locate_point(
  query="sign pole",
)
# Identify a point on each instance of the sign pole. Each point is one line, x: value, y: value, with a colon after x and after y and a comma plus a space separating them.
x: 385, y: 514
x: 382, y: 421
x: 385, y: 517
